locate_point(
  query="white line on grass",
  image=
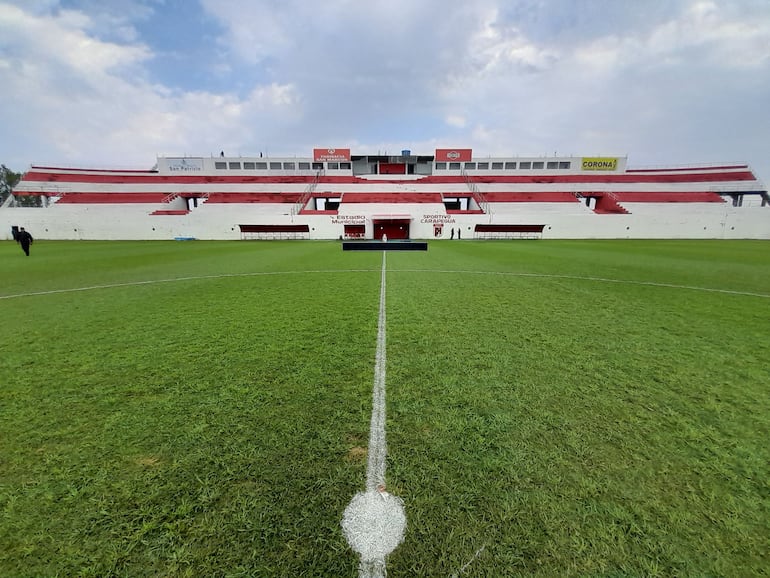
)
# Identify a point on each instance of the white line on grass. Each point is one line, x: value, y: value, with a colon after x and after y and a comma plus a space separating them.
x: 597, y: 279
x: 374, y: 521
x: 469, y: 562
x: 500, y: 273
x: 177, y: 279
x: 375, y: 472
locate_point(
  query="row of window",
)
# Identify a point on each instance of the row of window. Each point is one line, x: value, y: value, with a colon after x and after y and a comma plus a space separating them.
x: 345, y: 166
x: 277, y: 166
x: 508, y: 166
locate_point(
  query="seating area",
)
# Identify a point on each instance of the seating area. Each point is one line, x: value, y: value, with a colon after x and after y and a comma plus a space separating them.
x: 111, y: 198
x: 150, y: 177
x: 675, y: 210
x: 205, y: 197
x: 529, y: 197
x: 540, y: 209
x: 392, y: 198
x: 711, y: 168
x: 628, y: 177
x: 668, y: 197
x: 291, y: 197
x: 607, y: 203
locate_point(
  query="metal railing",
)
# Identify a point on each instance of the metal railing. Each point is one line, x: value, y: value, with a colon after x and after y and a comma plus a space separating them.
x: 307, y: 193
x: 748, y: 187
x: 478, y: 196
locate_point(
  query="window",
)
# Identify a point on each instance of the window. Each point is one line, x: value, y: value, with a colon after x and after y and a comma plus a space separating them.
x: 260, y: 166
x: 220, y: 165
x: 304, y: 166
x: 248, y: 165
x: 552, y: 165
x: 470, y: 166
x: 497, y: 166
x: 483, y: 166
x: 345, y: 166
x: 510, y: 166
x: 440, y: 166
x: 454, y: 166
x: 564, y: 164
x: 235, y: 165
x: 333, y: 166
x: 537, y: 165
x: 288, y: 166
x: 275, y: 166
x: 525, y: 165
x: 318, y: 166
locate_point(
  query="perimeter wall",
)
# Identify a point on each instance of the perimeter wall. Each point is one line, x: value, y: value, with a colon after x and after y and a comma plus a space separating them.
x: 221, y: 221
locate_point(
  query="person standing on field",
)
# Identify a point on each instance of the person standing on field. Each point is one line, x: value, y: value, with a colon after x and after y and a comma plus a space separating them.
x: 25, y: 240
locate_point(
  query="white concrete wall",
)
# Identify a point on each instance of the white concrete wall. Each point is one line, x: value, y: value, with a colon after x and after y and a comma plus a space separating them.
x: 221, y: 220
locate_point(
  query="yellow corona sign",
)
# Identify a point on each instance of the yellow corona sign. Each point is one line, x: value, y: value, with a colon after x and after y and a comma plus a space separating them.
x: 600, y: 163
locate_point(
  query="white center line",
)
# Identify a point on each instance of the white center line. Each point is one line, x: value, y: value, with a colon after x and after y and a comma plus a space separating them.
x: 378, y: 449
x: 374, y: 521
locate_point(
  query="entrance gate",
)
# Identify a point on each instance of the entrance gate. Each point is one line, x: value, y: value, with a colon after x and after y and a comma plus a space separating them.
x: 393, y: 228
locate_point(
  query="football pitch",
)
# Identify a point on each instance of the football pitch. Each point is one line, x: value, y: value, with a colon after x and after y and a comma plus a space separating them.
x: 554, y: 408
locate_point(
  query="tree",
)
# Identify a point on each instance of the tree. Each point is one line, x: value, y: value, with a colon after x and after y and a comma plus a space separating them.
x: 8, y: 180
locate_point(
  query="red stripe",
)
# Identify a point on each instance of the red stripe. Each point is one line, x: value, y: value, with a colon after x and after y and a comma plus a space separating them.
x: 515, y: 197
x: 254, y: 197
x: 717, y: 168
x: 413, y: 197
x: 657, y: 197
x: 529, y: 179
x: 115, y: 198
x: 670, y: 178
x: 45, y: 168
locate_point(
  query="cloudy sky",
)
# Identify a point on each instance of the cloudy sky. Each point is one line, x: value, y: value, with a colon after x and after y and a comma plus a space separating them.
x: 117, y: 82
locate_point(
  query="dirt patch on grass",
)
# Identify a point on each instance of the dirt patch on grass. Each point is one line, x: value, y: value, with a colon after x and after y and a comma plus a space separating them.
x: 148, y: 461
x: 356, y: 454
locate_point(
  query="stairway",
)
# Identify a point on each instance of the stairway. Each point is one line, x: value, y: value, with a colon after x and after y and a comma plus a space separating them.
x: 607, y: 204
x: 307, y: 193
x: 478, y: 196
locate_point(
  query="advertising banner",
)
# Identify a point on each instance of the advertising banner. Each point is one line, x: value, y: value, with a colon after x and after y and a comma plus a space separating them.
x: 454, y: 155
x: 184, y: 164
x: 600, y: 163
x: 333, y: 155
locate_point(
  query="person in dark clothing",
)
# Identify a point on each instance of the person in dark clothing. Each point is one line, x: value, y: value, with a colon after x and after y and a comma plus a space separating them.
x: 24, y: 239
x: 458, y: 233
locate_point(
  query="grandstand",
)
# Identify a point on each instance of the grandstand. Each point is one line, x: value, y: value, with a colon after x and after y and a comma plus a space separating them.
x: 334, y: 194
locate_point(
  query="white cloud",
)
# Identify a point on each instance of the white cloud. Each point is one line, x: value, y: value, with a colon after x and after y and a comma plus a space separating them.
x: 731, y: 40
x: 456, y: 120
x: 89, y: 100
x: 702, y: 34
x: 47, y: 51
x: 496, y: 47
x: 671, y: 80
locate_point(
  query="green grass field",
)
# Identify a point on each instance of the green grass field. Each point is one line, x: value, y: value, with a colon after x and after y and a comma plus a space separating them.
x: 554, y: 408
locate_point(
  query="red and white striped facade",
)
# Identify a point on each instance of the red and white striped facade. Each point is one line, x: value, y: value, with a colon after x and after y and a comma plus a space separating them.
x: 335, y: 194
